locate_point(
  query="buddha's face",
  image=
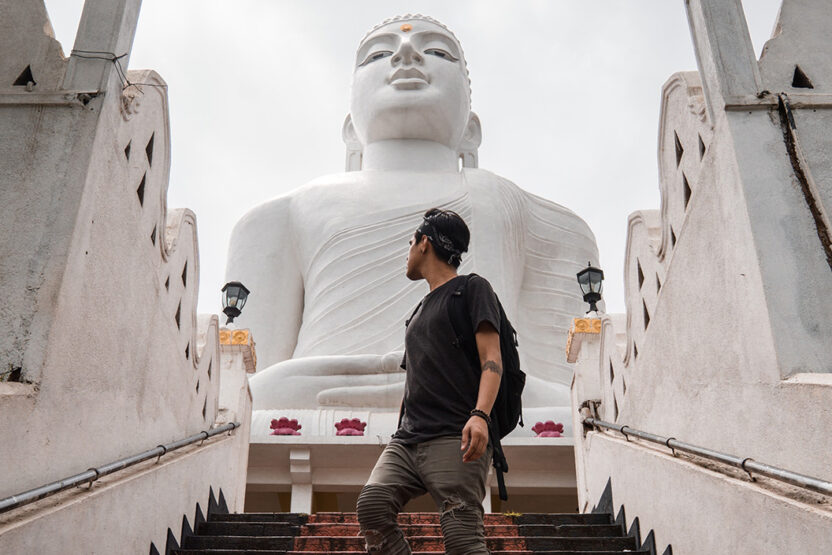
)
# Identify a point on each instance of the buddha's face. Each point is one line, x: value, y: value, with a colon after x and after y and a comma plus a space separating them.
x: 410, y: 83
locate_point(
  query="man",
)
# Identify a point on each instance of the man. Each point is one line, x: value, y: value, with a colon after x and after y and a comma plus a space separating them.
x: 441, y: 446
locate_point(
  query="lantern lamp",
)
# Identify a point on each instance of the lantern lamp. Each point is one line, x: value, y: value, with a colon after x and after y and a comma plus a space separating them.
x: 234, y: 296
x: 590, y: 279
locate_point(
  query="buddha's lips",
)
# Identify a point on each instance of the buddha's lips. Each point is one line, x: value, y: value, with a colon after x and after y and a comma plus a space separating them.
x: 408, y: 78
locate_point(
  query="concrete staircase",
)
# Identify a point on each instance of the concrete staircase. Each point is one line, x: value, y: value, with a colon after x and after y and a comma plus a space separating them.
x: 338, y: 533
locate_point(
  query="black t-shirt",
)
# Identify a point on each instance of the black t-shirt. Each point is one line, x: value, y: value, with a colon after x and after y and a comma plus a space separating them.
x: 441, y: 386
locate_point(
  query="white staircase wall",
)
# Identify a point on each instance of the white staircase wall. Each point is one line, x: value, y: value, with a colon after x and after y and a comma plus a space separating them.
x: 100, y: 280
x: 729, y: 322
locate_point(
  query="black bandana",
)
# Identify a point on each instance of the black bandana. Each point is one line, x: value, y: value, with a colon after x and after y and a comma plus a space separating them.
x: 441, y: 241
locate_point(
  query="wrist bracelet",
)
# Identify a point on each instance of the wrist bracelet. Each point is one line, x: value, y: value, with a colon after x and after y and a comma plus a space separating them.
x: 481, y: 414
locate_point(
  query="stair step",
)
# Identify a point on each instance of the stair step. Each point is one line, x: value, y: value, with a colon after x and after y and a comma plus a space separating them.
x: 410, y: 530
x: 339, y: 533
x: 240, y: 542
x: 542, y: 543
x: 490, y: 518
x: 559, y: 552
x: 242, y: 528
x: 434, y: 543
x: 498, y: 552
x: 289, y: 518
x: 563, y: 518
x: 227, y: 552
x: 491, y: 530
x: 571, y: 530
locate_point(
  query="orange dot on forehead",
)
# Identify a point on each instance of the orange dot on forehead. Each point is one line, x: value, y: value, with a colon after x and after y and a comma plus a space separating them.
x: 406, y: 27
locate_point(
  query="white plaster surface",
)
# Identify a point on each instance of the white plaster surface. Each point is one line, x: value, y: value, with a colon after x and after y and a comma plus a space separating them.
x: 744, y: 301
x: 104, y: 354
x: 700, y: 511
x: 234, y: 398
x: 732, y: 351
x: 125, y: 512
x: 799, y: 37
x: 102, y: 319
x: 326, y: 262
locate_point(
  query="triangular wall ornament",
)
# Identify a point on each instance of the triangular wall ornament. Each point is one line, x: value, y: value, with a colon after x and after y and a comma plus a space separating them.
x: 687, y: 191
x: 149, y: 150
x: 25, y: 78
x: 800, y: 80
x: 140, y: 190
x: 679, y: 149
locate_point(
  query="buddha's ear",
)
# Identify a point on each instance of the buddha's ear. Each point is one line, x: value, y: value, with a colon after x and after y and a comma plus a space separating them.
x: 355, y: 150
x: 471, y: 139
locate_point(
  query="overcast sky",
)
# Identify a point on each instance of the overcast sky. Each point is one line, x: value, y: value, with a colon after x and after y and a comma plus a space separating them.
x: 568, y: 95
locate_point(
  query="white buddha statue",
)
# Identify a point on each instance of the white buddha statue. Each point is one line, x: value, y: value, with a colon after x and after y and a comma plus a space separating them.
x: 326, y: 262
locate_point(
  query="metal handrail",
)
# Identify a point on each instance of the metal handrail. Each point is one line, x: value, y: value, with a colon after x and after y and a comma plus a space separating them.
x: 747, y: 464
x: 93, y: 474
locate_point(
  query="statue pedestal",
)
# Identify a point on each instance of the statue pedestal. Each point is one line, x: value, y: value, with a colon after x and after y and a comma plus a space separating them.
x: 320, y: 423
x: 320, y: 471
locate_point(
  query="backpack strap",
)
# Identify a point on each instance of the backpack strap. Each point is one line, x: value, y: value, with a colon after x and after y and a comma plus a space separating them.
x: 498, y: 458
x: 465, y: 338
x: 464, y: 333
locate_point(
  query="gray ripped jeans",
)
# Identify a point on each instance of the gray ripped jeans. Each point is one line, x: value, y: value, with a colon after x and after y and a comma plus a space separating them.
x: 407, y: 471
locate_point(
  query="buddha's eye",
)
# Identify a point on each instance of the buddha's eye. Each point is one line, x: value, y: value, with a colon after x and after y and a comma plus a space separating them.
x: 375, y: 56
x: 439, y: 53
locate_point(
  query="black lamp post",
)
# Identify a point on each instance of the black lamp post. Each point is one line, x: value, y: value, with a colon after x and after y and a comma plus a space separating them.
x: 234, y: 295
x: 590, y: 279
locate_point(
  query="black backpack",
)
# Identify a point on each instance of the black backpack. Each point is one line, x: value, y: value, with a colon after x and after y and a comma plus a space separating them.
x: 508, y: 408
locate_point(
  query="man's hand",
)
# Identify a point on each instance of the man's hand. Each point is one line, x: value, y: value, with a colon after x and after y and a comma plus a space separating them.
x: 474, y: 439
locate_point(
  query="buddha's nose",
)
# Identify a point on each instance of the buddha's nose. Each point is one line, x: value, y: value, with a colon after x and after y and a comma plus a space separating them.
x: 406, y: 55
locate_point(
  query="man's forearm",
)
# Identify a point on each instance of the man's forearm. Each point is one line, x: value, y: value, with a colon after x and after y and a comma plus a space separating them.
x: 492, y: 371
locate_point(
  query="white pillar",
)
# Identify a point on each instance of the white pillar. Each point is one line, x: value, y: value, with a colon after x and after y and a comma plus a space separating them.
x: 486, y: 502
x: 300, y: 469
x: 724, y: 52
x: 106, y: 26
x: 301, y: 498
x: 589, y: 383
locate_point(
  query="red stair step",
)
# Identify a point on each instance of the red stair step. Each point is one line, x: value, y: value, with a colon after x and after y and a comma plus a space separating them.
x: 404, y: 518
x: 410, y: 530
x: 418, y: 543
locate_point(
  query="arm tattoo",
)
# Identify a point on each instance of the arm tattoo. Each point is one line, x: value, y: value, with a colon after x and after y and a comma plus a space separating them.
x: 492, y: 366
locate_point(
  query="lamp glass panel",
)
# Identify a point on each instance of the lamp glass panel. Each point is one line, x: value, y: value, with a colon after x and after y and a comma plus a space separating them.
x: 595, y: 280
x: 233, y: 295
x: 583, y: 281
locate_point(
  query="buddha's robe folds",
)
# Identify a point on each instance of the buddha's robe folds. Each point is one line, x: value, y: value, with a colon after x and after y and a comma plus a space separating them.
x: 326, y: 266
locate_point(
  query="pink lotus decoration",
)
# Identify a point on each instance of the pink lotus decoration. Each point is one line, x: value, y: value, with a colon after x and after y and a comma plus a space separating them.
x: 347, y: 427
x: 548, y: 429
x: 285, y: 427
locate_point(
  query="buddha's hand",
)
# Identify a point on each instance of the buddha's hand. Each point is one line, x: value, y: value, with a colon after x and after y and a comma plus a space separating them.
x: 378, y: 384
x: 374, y: 381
